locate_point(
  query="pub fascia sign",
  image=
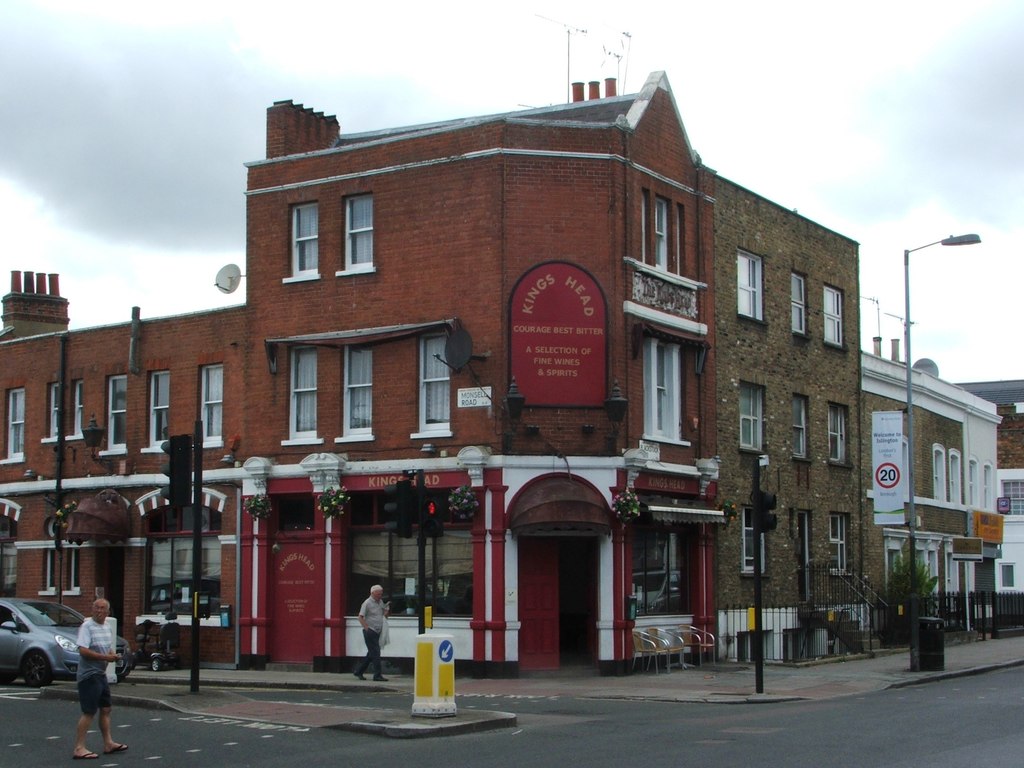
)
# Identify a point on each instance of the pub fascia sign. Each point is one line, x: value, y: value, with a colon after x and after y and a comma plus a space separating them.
x: 558, y: 336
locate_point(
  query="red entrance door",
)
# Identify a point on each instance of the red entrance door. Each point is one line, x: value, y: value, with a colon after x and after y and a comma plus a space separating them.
x: 538, y: 603
x: 294, y: 581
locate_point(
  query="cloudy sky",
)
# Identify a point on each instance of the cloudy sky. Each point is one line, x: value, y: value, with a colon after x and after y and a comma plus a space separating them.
x: 126, y: 126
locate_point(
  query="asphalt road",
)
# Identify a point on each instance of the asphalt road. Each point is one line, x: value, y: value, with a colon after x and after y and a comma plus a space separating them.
x: 965, y: 721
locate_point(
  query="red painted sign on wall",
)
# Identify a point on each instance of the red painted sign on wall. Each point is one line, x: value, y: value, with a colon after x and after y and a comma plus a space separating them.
x: 558, y: 336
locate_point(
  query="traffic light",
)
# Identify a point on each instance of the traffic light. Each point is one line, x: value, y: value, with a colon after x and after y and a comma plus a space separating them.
x: 178, y: 468
x: 430, y: 516
x: 766, y: 503
x: 398, y: 510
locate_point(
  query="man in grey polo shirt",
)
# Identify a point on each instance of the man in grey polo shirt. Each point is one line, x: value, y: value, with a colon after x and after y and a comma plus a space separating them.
x: 96, y: 648
x: 371, y: 617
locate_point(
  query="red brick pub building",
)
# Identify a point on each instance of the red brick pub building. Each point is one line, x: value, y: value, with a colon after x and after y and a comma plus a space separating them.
x: 519, y: 305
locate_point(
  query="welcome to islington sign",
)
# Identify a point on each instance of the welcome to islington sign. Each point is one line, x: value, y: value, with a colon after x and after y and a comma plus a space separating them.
x: 558, y: 339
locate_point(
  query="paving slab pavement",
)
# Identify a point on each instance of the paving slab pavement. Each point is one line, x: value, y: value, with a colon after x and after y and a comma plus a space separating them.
x: 222, y: 692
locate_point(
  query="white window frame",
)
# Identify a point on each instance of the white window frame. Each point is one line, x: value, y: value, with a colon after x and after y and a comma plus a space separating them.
x: 837, y: 427
x: 435, y: 389
x: 72, y: 585
x: 358, y: 238
x: 662, y: 391
x: 838, y: 534
x: 1006, y: 575
x: 972, y: 482
x: 987, y: 485
x: 939, y: 489
x: 302, y: 419
x: 747, y: 541
x: 117, y: 415
x: 54, y: 426
x: 832, y: 309
x: 751, y: 408
x: 1014, y: 491
x: 955, y: 475
x: 749, y: 285
x: 16, y: 424
x: 211, y: 378
x: 661, y: 210
x: 306, y: 240
x: 358, y: 392
x: 798, y: 302
x: 78, y: 391
x: 799, y: 411
x: 159, y: 407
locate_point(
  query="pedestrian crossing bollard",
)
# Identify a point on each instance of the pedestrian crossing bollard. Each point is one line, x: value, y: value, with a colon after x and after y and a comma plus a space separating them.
x: 434, y: 677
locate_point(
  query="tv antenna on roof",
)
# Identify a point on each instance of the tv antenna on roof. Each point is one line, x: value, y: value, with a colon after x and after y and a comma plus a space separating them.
x: 569, y: 32
x: 228, y: 278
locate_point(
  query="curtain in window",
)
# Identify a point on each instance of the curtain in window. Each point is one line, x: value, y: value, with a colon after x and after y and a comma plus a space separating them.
x: 370, y: 556
x: 360, y: 392
x: 213, y: 389
x: 304, y: 387
x: 8, y: 569
x: 435, y: 382
x: 360, y: 227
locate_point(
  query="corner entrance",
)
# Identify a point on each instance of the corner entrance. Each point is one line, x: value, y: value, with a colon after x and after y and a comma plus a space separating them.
x: 557, y: 601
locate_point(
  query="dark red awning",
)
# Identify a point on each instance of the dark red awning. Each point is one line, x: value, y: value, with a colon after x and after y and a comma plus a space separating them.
x: 103, y: 517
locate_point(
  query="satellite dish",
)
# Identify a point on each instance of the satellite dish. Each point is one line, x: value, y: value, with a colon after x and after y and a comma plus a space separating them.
x: 927, y: 365
x: 228, y: 278
x: 458, y: 349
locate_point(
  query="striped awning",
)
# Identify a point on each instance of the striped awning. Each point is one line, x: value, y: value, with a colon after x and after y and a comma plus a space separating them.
x: 680, y: 513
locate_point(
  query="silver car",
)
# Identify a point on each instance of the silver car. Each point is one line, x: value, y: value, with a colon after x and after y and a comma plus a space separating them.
x: 38, y: 641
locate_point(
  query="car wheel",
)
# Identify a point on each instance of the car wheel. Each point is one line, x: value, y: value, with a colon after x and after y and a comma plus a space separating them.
x: 36, y: 669
x: 156, y: 664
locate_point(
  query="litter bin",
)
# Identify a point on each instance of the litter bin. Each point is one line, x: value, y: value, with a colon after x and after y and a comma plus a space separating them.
x: 931, y: 645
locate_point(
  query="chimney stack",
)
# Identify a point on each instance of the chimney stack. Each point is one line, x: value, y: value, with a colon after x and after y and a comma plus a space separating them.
x: 34, y: 305
x: 293, y: 129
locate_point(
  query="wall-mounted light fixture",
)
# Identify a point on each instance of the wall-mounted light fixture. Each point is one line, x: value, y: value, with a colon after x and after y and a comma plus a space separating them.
x: 615, y: 407
x: 515, y: 401
x: 30, y: 474
x: 429, y: 449
x: 92, y: 433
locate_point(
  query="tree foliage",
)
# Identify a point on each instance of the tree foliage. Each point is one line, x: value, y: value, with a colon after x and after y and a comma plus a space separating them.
x: 898, y: 587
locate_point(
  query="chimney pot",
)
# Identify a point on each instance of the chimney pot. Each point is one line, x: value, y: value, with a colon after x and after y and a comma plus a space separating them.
x: 610, y: 87
x: 15, y: 281
x: 54, y: 284
x: 877, y: 341
x: 595, y: 90
x: 41, y: 283
x: 30, y: 282
x: 895, y: 350
x: 577, y: 92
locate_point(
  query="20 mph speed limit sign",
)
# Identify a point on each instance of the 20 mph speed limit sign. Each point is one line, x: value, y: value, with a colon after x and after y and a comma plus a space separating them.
x: 887, y: 475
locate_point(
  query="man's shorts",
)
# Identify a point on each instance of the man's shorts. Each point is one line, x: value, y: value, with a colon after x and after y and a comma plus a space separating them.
x: 94, y: 694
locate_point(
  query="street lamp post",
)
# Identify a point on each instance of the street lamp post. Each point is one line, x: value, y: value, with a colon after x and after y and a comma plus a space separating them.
x: 915, y: 656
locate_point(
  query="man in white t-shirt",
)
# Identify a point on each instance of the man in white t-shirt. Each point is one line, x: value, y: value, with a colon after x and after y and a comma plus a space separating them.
x: 96, y: 647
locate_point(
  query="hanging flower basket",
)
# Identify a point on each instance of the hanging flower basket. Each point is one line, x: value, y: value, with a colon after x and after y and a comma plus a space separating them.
x: 626, y: 505
x: 258, y: 506
x: 728, y: 508
x: 64, y: 512
x: 462, y: 503
x: 332, y: 502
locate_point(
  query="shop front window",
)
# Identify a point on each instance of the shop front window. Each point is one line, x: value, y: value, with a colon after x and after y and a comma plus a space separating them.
x: 169, y: 577
x: 380, y: 557
x: 660, y: 581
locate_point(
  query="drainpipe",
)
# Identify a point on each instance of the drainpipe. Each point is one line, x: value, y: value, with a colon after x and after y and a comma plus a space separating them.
x: 58, y: 471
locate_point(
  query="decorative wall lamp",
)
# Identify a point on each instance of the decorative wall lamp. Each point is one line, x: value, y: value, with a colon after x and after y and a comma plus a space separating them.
x: 615, y: 406
x: 92, y: 433
x: 515, y: 401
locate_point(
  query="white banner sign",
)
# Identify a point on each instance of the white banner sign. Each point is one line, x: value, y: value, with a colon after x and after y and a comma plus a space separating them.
x: 887, y: 466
